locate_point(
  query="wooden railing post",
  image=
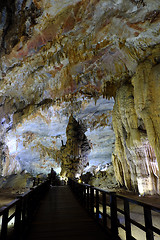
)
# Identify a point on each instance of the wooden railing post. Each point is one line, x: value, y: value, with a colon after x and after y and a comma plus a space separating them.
x: 24, y: 212
x: 127, y: 219
x: 114, y: 223
x: 148, y: 223
x: 97, y: 205
x: 4, y: 225
x: 34, y: 182
x: 17, y: 223
x: 88, y: 197
x: 104, y: 210
x: 81, y: 193
x: 84, y: 195
x: 92, y: 201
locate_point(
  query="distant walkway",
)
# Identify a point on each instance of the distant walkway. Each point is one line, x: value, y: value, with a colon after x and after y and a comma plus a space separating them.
x: 61, y: 217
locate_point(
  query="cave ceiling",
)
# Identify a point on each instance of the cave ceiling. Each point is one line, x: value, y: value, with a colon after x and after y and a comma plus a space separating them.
x: 68, y: 57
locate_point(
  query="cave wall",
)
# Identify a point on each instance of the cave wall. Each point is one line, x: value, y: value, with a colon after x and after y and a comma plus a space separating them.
x: 53, y: 52
x: 136, y: 122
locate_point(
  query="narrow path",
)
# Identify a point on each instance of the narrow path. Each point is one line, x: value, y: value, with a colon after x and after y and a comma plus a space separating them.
x: 61, y: 216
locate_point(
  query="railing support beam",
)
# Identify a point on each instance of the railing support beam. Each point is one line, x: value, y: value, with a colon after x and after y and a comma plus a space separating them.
x: 92, y: 201
x: 97, y: 205
x: 4, y: 225
x: 104, y: 210
x: 148, y: 223
x: 127, y: 219
x: 114, y: 222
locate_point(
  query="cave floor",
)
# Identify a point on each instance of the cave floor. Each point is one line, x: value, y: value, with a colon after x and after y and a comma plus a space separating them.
x: 61, y: 216
x: 153, y: 200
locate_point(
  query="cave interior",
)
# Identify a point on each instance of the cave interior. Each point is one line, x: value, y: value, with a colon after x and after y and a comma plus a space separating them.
x: 80, y: 92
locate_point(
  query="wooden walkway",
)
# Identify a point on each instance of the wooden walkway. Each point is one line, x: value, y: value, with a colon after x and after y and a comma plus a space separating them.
x: 61, y: 217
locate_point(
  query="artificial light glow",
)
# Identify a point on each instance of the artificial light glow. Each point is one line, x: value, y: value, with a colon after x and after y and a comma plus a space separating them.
x: 79, y: 181
x: 63, y: 178
x: 140, y: 186
x: 145, y: 186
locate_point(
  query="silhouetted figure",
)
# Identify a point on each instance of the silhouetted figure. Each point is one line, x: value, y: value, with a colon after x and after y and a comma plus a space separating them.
x: 53, y: 177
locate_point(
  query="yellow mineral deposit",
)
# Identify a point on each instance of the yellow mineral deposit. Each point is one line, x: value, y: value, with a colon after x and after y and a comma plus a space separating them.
x: 57, y: 58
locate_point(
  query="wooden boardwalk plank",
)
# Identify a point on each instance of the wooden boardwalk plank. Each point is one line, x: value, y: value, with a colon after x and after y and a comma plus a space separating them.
x: 61, y: 216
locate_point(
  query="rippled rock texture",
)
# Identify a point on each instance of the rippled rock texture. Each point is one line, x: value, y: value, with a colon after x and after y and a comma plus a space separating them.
x: 55, y: 52
x: 136, y: 119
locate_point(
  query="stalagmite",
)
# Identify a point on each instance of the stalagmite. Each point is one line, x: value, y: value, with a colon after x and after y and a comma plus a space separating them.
x: 63, y: 58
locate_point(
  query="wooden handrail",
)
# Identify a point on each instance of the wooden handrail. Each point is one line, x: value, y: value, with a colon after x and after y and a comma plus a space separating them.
x: 92, y: 198
x: 24, y: 209
x: 9, y: 205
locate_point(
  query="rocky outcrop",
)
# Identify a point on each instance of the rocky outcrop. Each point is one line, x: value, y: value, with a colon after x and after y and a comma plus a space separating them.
x: 74, y: 153
x: 53, y: 52
x: 136, y: 120
x: 8, y: 164
x: 67, y: 47
x: 104, y: 179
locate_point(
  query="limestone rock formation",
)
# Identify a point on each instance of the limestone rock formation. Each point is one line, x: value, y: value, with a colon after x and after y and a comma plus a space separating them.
x: 74, y: 153
x: 56, y: 52
x: 102, y: 178
x: 136, y: 119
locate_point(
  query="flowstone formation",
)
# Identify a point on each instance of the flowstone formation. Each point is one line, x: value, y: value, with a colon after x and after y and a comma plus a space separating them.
x: 136, y: 125
x: 8, y: 164
x: 55, y: 52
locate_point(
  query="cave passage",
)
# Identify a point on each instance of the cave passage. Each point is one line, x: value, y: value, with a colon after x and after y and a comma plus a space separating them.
x: 61, y: 216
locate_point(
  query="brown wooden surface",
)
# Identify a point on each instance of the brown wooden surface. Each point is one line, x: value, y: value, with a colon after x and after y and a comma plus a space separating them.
x: 61, y: 216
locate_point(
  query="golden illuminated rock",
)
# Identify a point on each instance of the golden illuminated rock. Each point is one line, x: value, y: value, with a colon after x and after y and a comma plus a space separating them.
x: 55, y: 52
x: 136, y: 121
